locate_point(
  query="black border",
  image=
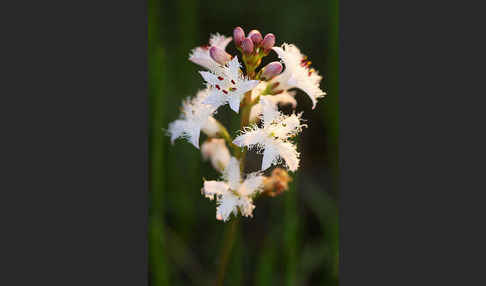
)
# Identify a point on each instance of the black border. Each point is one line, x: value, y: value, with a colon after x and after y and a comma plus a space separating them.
x: 76, y: 161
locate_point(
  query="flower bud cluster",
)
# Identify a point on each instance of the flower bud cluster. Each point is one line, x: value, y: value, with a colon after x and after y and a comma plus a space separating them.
x: 253, y: 46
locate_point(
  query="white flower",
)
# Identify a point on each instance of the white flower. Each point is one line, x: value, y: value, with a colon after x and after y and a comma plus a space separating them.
x: 215, y: 149
x: 233, y: 194
x: 282, y: 99
x: 297, y: 73
x: 227, y: 85
x: 200, y: 55
x: 195, y: 116
x: 272, y: 137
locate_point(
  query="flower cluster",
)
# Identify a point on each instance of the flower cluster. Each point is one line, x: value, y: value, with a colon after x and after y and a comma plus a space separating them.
x: 256, y: 95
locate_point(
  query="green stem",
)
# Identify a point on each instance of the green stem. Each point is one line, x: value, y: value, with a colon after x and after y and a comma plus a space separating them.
x: 225, y: 135
x: 229, y: 240
x: 241, y: 154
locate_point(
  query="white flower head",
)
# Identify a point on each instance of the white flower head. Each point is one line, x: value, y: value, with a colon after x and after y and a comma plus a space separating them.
x: 215, y: 149
x: 195, y: 116
x: 234, y: 194
x: 227, y: 85
x: 200, y: 55
x: 282, y: 99
x: 297, y: 73
x: 272, y: 137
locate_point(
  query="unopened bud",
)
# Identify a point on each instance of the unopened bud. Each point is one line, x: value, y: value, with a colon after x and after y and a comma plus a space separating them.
x: 238, y: 36
x: 268, y: 42
x: 215, y: 149
x: 219, y: 55
x: 247, y: 46
x: 255, y: 36
x: 271, y: 70
x: 277, y: 183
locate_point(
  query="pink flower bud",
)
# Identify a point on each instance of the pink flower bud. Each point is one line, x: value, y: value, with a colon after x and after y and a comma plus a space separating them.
x: 255, y: 36
x: 271, y: 70
x: 219, y: 55
x: 247, y: 46
x: 238, y: 36
x: 268, y: 41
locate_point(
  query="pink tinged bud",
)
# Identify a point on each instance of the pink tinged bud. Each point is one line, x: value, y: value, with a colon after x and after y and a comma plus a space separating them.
x: 255, y: 36
x: 219, y: 55
x: 247, y: 46
x: 238, y: 36
x: 271, y: 70
x: 268, y: 42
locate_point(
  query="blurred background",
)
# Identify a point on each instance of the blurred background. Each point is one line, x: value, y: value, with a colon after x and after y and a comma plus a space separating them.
x: 292, y: 238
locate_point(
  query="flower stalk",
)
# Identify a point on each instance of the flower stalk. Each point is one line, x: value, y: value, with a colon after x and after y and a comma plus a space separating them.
x: 255, y: 93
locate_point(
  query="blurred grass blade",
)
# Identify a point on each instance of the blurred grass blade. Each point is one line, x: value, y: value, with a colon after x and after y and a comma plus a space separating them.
x: 157, y: 263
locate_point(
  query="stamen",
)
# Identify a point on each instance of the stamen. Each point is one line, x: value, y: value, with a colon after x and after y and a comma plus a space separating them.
x: 232, y: 88
x: 305, y: 63
x: 220, y: 78
x: 233, y: 82
x: 225, y: 92
x: 217, y: 86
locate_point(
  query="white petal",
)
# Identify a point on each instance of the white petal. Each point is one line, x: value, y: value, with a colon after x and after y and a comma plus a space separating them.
x: 270, y: 156
x: 269, y: 109
x: 200, y: 56
x: 287, y: 126
x: 250, y: 137
x: 288, y: 152
x: 219, y: 41
x: 184, y: 128
x: 252, y: 184
x: 232, y: 173
x: 176, y: 129
x: 214, y: 188
x: 280, y: 52
x: 234, y: 68
x: 215, y: 99
x: 246, y: 206
x: 280, y: 149
x: 193, y: 135
x: 247, y: 85
x: 234, y: 102
x: 209, y: 77
x: 227, y: 204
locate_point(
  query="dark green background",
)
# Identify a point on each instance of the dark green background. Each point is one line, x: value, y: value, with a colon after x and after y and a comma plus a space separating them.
x: 293, y: 238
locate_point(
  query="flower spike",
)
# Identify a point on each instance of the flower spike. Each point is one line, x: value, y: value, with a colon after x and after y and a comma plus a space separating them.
x: 259, y: 92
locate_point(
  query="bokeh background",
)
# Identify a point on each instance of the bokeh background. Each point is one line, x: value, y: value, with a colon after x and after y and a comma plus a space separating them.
x: 293, y: 238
